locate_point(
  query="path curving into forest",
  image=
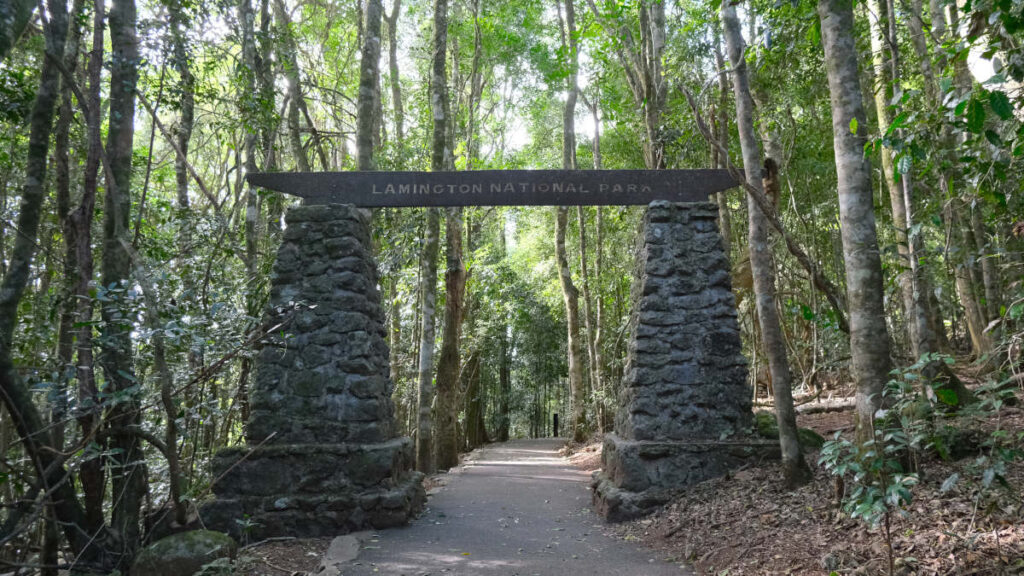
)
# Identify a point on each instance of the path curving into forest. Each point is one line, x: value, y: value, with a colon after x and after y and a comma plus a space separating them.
x: 517, y: 509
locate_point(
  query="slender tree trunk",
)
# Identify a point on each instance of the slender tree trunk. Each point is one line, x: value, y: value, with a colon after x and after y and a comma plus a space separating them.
x: 878, y: 26
x: 569, y: 292
x: 504, y: 359
x: 476, y: 429
x: 396, y: 85
x: 49, y: 555
x: 599, y: 336
x: 476, y: 89
x: 425, y: 387
x: 587, y: 306
x: 652, y: 35
x: 91, y: 474
x: 989, y: 274
x: 961, y: 244
x: 724, y: 214
x: 16, y: 397
x: 916, y: 26
x: 369, y: 85
x: 446, y: 438
x: 441, y: 153
x: 795, y: 469
x: 292, y: 75
x: 869, y: 338
x: 116, y: 356
x: 186, y: 118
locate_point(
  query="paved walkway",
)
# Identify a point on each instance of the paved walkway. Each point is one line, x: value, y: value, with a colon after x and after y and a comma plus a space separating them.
x: 514, y: 509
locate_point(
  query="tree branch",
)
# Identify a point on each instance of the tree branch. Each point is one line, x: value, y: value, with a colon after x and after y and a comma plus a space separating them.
x: 830, y: 290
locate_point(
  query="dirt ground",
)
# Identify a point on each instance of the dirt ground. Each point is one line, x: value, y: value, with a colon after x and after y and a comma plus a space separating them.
x: 281, y: 557
x: 748, y: 524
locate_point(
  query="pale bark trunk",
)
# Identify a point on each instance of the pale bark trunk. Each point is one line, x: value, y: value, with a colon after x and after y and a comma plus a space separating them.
x: 369, y: 86
x: 869, y: 338
x: 571, y: 297
x: 588, y: 323
x: 186, y: 118
x: 795, y: 469
x: 879, y: 39
x: 989, y: 274
x: 396, y: 86
x: 425, y: 386
x: 476, y: 88
x: 643, y: 69
x: 290, y: 65
x: 569, y: 292
x: 724, y: 214
x: 652, y: 36
x: 917, y: 27
x: 441, y: 154
x: 247, y: 20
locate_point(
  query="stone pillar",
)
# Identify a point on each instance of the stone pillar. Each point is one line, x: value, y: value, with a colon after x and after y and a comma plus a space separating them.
x: 322, y: 457
x: 684, y: 404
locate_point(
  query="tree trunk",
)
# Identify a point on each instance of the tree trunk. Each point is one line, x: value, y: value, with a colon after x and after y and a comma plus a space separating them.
x: 425, y: 386
x: 476, y: 429
x: 396, y: 85
x: 49, y: 556
x: 186, y: 119
x: 116, y: 357
x: 293, y: 79
x: 724, y: 214
x: 91, y: 475
x: 588, y: 324
x: 879, y: 39
x: 795, y: 469
x: 441, y: 153
x: 570, y: 294
x: 369, y: 85
x: 504, y: 359
x: 476, y: 83
x: 14, y: 18
x: 448, y: 408
x: 869, y: 338
x: 652, y: 35
x: 17, y: 398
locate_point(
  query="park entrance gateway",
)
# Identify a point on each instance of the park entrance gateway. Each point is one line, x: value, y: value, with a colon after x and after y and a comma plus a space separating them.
x: 322, y: 454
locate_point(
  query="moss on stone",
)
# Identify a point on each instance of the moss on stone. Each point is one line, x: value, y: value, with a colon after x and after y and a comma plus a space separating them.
x: 184, y: 554
x: 766, y: 426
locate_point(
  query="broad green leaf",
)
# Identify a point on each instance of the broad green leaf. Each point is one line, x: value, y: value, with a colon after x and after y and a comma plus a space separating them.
x: 1000, y: 104
x: 853, y: 125
x: 975, y: 116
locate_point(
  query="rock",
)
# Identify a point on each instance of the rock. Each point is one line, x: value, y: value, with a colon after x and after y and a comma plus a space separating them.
x: 766, y: 426
x: 342, y: 550
x: 183, y: 554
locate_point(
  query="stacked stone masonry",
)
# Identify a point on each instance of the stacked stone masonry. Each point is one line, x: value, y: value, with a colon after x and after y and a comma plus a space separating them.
x: 322, y: 457
x: 684, y: 406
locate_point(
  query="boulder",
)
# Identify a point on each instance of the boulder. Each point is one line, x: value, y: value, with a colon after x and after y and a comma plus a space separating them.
x: 766, y: 426
x: 183, y: 554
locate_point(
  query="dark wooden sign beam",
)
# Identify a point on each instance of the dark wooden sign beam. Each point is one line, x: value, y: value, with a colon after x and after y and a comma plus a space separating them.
x: 498, y: 187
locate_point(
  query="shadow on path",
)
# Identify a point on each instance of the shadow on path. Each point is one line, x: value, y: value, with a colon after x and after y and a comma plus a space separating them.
x: 515, y: 509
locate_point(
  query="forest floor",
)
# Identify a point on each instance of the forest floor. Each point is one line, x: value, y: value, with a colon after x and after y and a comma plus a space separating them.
x: 747, y: 523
